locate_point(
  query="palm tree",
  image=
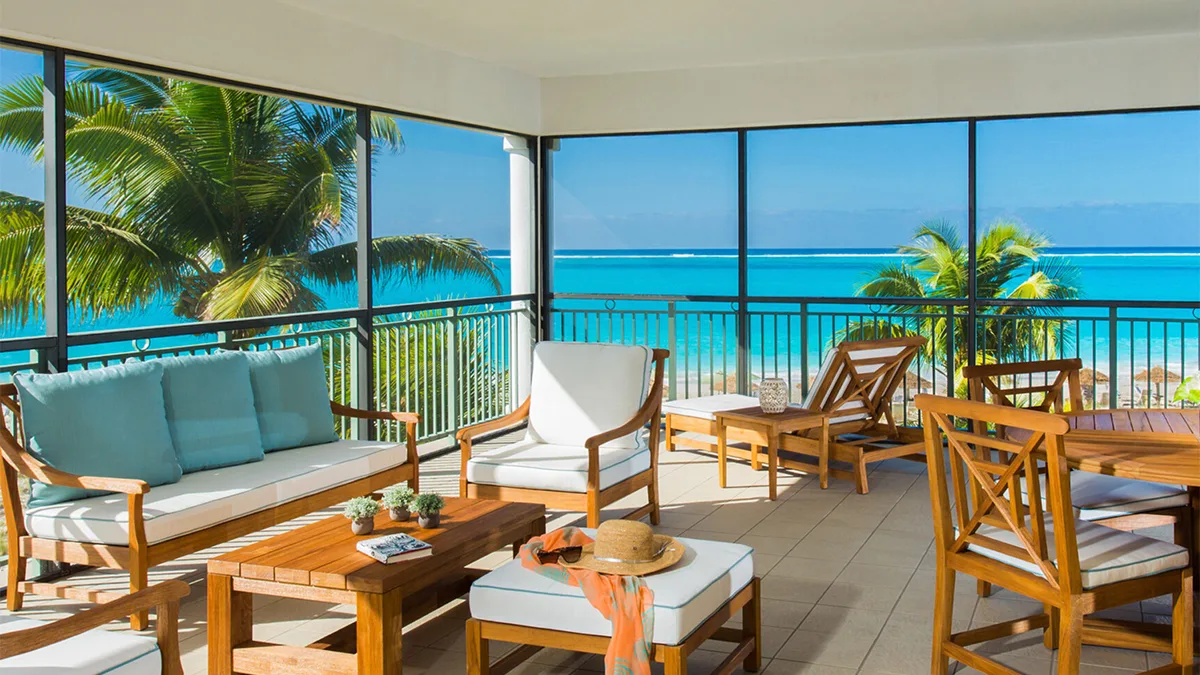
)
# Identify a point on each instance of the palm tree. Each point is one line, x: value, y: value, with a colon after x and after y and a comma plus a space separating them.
x: 1009, y: 264
x: 232, y: 203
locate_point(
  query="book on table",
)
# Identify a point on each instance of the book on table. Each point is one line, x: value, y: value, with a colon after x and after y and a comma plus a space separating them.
x: 394, y: 548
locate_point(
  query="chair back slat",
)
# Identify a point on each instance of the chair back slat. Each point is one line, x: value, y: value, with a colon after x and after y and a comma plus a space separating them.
x: 1037, y: 385
x: 989, y: 515
x: 858, y: 378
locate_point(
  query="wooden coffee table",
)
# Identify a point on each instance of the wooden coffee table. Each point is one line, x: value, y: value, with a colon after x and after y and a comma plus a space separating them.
x: 765, y: 429
x: 319, y: 562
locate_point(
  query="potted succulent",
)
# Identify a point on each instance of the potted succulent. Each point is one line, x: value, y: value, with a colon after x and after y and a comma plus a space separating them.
x: 361, y: 512
x: 397, y: 499
x: 428, y: 506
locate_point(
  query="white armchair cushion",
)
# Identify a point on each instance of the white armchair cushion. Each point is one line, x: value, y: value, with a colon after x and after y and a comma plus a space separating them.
x: 685, y: 595
x: 1106, y: 556
x: 206, y: 498
x: 580, y: 389
x: 562, y: 468
x: 96, y: 652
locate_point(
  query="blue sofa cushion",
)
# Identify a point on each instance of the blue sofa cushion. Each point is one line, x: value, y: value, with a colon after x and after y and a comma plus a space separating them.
x: 210, y: 410
x: 291, y: 398
x: 108, y: 422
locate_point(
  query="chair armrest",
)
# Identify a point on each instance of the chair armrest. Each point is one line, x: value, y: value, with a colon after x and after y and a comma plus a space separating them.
x: 30, y: 467
x: 640, y: 419
x: 31, y: 639
x: 508, y: 420
x: 384, y: 415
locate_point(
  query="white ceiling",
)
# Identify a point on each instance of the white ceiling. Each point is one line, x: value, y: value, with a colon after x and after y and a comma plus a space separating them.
x: 550, y: 38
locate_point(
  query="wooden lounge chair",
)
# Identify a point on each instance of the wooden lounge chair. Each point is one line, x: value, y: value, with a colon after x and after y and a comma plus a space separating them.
x: 585, y: 446
x: 855, y: 387
x: 1033, y: 544
x: 77, y: 644
x: 1120, y: 503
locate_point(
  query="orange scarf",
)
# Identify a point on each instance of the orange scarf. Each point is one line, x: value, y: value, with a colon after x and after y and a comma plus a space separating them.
x: 626, y: 601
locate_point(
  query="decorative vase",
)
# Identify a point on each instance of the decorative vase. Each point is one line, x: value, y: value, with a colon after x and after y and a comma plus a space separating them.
x: 399, y: 513
x: 429, y: 521
x: 773, y: 395
x: 362, y: 526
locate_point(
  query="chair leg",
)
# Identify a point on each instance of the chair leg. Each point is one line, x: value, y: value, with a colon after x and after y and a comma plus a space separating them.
x: 139, y: 579
x: 593, y: 509
x: 983, y: 589
x: 652, y: 494
x: 478, y: 660
x: 1182, y: 635
x: 752, y: 628
x: 1070, y: 638
x: 668, y: 434
x: 943, y: 618
x: 860, y: 472
x: 674, y: 661
x: 16, y: 574
x: 1050, y: 634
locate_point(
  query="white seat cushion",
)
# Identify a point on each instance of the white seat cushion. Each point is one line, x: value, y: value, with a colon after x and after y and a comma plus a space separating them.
x: 1106, y: 555
x: 707, y: 407
x: 95, y: 652
x: 1096, y: 496
x: 206, y: 498
x: 562, y: 468
x: 685, y: 595
x: 580, y: 389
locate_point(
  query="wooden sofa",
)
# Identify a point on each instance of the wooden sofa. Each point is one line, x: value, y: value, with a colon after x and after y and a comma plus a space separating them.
x: 120, y: 539
x: 77, y: 644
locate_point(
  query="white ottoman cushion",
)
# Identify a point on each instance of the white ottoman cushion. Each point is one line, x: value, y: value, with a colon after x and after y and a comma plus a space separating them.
x: 541, y: 466
x: 710, y: 573
x: 580, y: 389
x: 706, y: 407
x: 92, y: 653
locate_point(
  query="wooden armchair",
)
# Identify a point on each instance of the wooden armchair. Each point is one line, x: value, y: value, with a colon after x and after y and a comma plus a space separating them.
x: 75, y: 643
x: 141, y: 553
x: 1120, y: 503
x: 587, y: 407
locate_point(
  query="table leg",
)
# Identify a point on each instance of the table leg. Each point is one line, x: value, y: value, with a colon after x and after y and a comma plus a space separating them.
x: 721, y: 452
x: 755, y: 463
x: 379, y: 627
x: 230, y: 622
x: 772, y: 463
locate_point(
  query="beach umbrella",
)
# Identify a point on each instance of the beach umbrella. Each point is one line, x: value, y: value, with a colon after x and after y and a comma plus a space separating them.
x: 1157, y: 375
x: 1088, y: 377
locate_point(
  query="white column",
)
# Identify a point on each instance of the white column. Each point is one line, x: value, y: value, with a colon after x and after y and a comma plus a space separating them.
x: 523, y: 260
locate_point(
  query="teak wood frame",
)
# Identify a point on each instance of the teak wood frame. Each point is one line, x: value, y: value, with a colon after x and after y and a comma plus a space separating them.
x: 139, y: 556
x: 874, y: 390
x: 594, y: 499
x: 164, y: 596
x: 1061, y: 385
x: 747, y: 650
x: 983, y: 494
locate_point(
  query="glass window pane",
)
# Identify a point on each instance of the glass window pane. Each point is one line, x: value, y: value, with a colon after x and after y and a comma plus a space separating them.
x: 654, y: 214
x: 191, y: 202
x: 440, y: 218
x: 1106, y: 198
x: 831, y: 209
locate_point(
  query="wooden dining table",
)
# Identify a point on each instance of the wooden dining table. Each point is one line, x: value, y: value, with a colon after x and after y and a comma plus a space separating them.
x: 1160, y: 446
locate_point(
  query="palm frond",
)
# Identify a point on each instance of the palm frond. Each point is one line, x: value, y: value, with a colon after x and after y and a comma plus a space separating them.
x: 409, y: 258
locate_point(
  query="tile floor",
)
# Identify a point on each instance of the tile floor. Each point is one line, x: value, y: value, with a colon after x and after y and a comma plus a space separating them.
x: 847, y: 581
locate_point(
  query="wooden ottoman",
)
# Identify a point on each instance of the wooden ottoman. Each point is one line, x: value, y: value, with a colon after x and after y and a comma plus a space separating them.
x: 699, y: 416
x: 692, y: 602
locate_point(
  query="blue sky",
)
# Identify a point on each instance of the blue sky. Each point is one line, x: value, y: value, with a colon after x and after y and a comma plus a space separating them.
x: 1104, y: 180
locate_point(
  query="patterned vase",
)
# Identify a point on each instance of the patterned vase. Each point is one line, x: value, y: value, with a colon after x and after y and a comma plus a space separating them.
x: 773, y: 395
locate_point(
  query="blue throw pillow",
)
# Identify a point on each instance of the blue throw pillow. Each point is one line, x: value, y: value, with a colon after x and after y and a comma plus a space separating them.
x: 291, y: 397
x: 108, y: 422
x: 210, y: 410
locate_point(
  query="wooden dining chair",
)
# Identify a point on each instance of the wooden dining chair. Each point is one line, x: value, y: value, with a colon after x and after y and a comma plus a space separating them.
x: 1033, y: 544
x: 1120, y: 503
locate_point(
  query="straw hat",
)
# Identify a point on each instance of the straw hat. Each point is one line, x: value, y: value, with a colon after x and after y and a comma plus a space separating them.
x: 630, y: 548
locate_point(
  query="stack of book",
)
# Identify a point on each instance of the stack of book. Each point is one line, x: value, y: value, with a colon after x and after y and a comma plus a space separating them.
x: 394, y: 548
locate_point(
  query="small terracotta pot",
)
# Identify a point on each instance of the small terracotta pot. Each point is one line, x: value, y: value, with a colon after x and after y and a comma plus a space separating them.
x: 362, y: 526
x: 399, y: 514
x: 430, y: 521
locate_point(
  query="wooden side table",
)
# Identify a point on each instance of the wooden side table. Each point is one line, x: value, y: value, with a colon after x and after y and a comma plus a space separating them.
x: 766, y: 430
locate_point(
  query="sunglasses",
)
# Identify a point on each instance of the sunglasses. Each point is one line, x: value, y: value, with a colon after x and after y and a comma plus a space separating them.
x: 569, y: 554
